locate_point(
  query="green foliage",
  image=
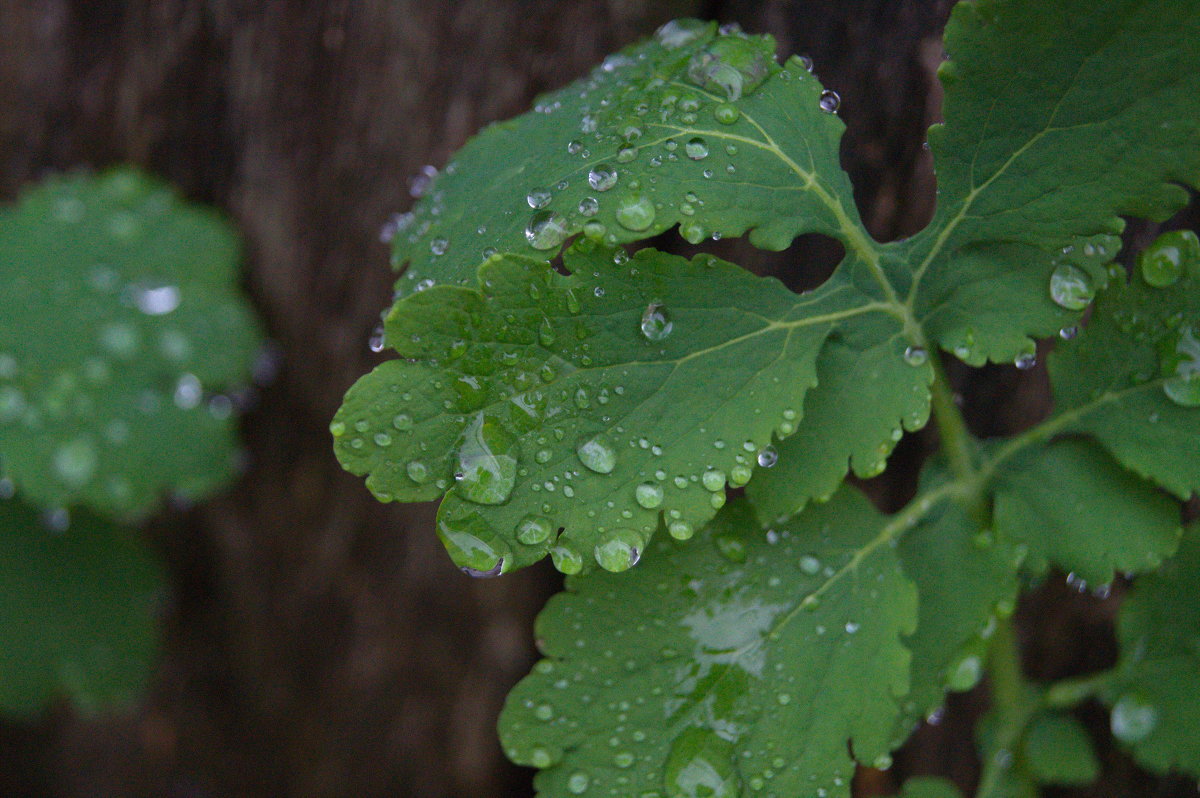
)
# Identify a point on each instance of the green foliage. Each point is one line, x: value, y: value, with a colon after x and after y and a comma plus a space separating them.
x: 1057, y: 750
x: 120, y: 315
x: 582, y: 414
x: 76, y: 610
x: 1155, y: 706
x: 707, y: 673
x: 120, y: 322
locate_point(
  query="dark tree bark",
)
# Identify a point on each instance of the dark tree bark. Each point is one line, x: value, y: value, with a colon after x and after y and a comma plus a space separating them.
x: 318, y: 643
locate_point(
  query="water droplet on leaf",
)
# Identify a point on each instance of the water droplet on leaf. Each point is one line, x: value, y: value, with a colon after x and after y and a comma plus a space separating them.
x: 546, y: 230
x: 1071, y: 287
x: 598, y: 455
x: 656, y: 324
x: 635, y: 212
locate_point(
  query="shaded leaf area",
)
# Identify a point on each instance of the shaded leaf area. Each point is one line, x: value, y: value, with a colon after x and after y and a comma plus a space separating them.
x: 964, y: 577
x: 1099, y: 117
x: 1056, y: 749
x: 119, y: 322
x: 604, y: 403
x: 741, y: 662
x: 1155, y: 707
x: 77, y: 609
x: 929, y: 787
x: 693, y: 127
x: 1132, y: 381
x: 1069, y: 505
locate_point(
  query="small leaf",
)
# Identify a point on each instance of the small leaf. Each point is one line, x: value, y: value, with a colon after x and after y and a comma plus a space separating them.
x: 77, y: 610
x: 708, y: 133
x: 1153, y: 697
x: 606, y: 427
x: 742, y: 659
x: 1073, y: 507
x: 1058, y: 750
x: 120, y: 319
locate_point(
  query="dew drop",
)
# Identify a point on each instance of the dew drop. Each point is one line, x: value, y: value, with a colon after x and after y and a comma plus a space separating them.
x: 597, y: 455
x: 635, y: 212
x: 1181, y: 368
x: 680, y: 530
x: 915, y: 356
x: 534, y: 529
x: 602, y: 177
x: 768, y: 457
x: 75, y: 462
x: 1133, y: 718
x: 619, y: 550
x: 1163, y: 262
x: 696, y: 149
x: 649, y: 495
x: 726, y: 113
x: 656, y: 324
x: 538, y: 198
x: 545, y: 230
x: 1071, y: 287
x: 830, y: 101
x: 701, y: 764
x: 417, y: 471
x: 438, y: 246
x: 578, y: 782
x: 713, y: 480
x: 377, y: 340
x: 1025, y: 361
x: 679, y: 32
x: 589, y: 206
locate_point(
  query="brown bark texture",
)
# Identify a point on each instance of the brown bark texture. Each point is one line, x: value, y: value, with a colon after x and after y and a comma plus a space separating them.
x: 317, y: 643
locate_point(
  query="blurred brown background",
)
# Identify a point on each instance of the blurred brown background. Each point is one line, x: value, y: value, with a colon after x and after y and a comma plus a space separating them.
x: 318, y: 643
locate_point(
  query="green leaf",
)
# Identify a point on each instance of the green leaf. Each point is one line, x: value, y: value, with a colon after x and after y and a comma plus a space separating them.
x: 1155, y: 705
x: 856, y: 413
x: 120, y: 313
x: 929, y: 787
x: 1058, y: 750
x: 1073, y: 507
x: 76, y: 610
x: 741, y: 659
x: 1132, y: 380
x: 587, y: 402
x: 963, y: 577
x: 691, y: 127
x: 1060, y: 118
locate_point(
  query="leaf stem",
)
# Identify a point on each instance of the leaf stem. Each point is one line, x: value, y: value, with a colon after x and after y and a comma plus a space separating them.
x: 1013, y: 704
x: 1071, y: 692
x: 955, y: 438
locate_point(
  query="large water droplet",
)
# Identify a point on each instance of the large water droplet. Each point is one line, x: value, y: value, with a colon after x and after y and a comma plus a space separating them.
x: 1133, y: 718
x: 578, y: 782
x: 726, y: 113
x: 589, y: 206
x: 1071, y: 287
x: 767, y: 456
x: 964, y: 674
x: 649, y: 495
x: 598, y: 455
x: 656, y: 324
x: 376, y: 342
x: 567, y: 561
x: 915, y: 356
x: 1164, y: 261
x: 188, y: 392
x: 701, y: 765
x: 830, y: 101
x: 696, y: 149
x: 1181, y: 368
x: 538, y: 198
x: 487, y: 463
x: 620, y: 550
x: 713, y: 479
x: 156, y: 300
x: 602, y: 177
x: 534, y: 529
x: 678, y: 32
x: 473, y: 555
x: 732, y: 64
x: 75, y: 462
x: 545, y: 230
x: 635, y: 212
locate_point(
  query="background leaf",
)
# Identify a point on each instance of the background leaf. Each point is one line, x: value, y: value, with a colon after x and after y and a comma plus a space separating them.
x: 77, y: 610
x: 740, y: 659
x: 1058, y: 750
x: 119, y: 320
